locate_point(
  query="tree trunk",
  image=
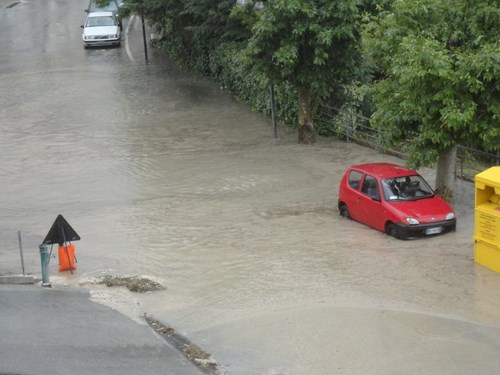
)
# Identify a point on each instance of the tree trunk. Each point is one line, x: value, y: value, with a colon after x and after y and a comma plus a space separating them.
x: 307, y: 133
x: 445, y: 175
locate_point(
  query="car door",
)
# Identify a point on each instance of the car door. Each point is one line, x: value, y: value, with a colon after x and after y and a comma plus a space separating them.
x: 369, y: 205
x: 349, y: 193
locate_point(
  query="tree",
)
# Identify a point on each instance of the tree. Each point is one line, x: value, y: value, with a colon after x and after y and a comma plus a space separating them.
x: 438, y: 66
x: 312, y: 44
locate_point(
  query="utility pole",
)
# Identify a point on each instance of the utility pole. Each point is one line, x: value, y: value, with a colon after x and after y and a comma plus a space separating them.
x: 144, y: 39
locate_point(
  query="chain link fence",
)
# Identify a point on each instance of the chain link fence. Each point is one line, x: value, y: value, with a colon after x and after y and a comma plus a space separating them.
x: 352, y: 127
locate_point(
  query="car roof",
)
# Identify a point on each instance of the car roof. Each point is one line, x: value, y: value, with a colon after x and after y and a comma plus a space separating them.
x: 101, y: 14
x: 384, y: 170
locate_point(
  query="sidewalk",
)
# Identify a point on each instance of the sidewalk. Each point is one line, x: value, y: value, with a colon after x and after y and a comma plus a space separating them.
x: 59, y: 331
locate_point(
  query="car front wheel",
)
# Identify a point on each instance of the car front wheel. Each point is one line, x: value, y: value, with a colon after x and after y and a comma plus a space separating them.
x: 344, y: 211
x: 392, y: 230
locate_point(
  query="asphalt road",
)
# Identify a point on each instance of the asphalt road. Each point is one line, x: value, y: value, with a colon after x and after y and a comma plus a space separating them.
x: 60, y: 331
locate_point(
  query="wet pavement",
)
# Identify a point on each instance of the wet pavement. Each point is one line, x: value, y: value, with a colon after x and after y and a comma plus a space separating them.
x: 162, y: 174
x: 60, y: 331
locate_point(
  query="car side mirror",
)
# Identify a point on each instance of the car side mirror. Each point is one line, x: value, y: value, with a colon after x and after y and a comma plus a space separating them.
x: 376, y: 199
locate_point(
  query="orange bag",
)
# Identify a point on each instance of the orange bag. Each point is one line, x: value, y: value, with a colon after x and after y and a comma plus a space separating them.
x: 67, y: 258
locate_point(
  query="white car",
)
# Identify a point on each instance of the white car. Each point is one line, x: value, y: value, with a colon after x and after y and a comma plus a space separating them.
x: 112, y: 6
x: 101, y: 29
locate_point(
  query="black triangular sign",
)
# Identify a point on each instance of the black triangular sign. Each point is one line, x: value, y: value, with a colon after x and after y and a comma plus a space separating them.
x: 60, y: 232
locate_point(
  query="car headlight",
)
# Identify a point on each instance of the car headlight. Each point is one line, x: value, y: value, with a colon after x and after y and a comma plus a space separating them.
x: 450, y: 216
x: 411, y: 221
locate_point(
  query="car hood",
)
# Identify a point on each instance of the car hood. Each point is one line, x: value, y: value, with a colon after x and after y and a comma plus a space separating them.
x: 425, y: 210
x: 101, y: 30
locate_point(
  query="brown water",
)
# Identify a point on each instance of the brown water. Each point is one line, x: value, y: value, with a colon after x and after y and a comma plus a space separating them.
x: 164, y: 175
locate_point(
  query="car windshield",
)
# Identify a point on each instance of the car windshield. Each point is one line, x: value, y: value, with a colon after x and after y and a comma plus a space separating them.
x: 406, y: 188
x: 100, y: 21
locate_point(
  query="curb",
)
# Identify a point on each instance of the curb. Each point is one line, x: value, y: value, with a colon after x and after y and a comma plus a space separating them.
x: 16, y: 279
x: 192, y: 352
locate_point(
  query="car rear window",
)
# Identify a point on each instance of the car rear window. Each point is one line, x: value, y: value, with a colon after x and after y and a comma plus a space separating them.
x: 355, y: 179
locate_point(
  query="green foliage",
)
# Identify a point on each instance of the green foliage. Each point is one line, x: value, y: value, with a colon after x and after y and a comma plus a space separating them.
x: 191, y: 29
x: 346, y: 103
x: 230, y: 73
x: 308, y: 44
x: 438, y: 85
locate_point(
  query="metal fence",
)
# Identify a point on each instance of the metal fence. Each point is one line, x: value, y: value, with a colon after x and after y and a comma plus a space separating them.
x: 471, y: 162
x: 353, y: 127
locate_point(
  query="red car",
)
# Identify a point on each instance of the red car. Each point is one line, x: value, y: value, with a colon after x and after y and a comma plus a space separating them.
x: 394, y: 200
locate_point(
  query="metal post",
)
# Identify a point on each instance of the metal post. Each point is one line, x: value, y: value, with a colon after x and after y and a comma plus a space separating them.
x: 348, y: 129
x: 20, y: 238
x: 44, y: 256
x: 273, y: 111
x: 144, y: 39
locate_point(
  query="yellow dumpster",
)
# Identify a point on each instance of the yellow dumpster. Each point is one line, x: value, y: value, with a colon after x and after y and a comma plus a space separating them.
x: 487, y: 219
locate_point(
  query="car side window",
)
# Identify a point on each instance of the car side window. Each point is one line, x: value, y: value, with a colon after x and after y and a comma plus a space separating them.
x: 355, y: 179
x: 370, y: 187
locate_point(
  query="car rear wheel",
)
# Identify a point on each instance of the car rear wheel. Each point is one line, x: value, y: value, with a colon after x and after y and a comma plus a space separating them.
x: 344, y: 211
x: 392, y: 230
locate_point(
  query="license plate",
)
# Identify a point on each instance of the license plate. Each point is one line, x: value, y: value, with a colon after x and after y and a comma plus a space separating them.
x: 436, y: 230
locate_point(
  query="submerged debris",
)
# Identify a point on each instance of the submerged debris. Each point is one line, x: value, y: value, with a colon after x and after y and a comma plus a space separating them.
x: 158, y: 327
x: 192, y: 352
x: 136, y: 284
x: 200, y: 357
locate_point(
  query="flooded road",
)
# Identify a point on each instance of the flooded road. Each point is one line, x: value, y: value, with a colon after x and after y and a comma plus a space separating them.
x: 164, y: 175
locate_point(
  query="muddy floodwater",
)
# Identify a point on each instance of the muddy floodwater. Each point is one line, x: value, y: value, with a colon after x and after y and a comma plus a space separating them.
x: 164, y: 175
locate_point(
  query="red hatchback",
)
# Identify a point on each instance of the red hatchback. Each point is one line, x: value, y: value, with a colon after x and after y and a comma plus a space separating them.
x: 394, y: 200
